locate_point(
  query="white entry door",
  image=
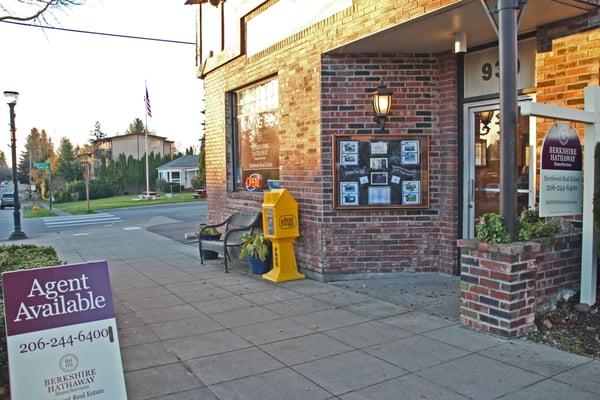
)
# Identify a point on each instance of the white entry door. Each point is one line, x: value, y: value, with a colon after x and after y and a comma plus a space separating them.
x: 481, y: 191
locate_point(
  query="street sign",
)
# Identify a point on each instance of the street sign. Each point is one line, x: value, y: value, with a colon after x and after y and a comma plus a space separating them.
x: 61, y: 334
x: 561, y: 179
x: 42, y: 165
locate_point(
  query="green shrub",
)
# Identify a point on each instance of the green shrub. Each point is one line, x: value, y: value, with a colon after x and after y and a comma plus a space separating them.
x: 161, y: 185
x: 208, y: 231
x: 13, y: 258
x: 490, y: 229
x: 531, y: 226
x: 26, y: 256
x: 255, y: 245
x: 100, y: 189
x: 73, y: 191
x: 198, y: 182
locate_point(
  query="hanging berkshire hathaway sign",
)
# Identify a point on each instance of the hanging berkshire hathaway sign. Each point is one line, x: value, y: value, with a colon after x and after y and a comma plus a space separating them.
x: 561, y: 179
x: 61, y: 334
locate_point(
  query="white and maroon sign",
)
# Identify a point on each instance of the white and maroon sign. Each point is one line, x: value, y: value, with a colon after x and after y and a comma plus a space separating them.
x: 561, y: 179
x: 62, y: 335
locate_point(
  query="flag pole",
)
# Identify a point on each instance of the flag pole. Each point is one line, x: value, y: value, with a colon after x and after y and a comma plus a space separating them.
x: 146, y: 141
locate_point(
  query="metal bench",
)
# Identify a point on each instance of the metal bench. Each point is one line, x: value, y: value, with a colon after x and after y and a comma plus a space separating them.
x: 236, y: 226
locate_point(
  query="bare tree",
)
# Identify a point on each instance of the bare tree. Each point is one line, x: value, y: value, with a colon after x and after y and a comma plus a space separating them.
x: 27, y: 10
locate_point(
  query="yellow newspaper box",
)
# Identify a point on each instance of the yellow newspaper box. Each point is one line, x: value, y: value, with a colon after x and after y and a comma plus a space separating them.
x: 280, y: 225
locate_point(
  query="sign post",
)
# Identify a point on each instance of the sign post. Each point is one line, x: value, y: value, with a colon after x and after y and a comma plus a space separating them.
x: 62, y: 335
x: 591, y: 118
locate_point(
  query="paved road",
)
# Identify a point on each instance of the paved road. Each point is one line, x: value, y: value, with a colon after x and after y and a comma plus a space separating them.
x: 128, y: 218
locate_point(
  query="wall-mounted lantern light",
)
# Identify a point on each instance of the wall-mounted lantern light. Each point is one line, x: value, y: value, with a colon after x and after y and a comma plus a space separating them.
x: 382, y: 104
x: 460, y: 42
x: 485, y: 117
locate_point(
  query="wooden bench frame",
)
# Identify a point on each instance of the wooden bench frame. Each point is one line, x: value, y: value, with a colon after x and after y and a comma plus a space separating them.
x: 235, y: 225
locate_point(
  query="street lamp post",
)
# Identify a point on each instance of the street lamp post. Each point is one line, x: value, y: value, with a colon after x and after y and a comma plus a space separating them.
x: 11, y: 99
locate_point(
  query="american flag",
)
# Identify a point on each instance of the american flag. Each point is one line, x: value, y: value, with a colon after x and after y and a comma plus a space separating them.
x: 148, y: 107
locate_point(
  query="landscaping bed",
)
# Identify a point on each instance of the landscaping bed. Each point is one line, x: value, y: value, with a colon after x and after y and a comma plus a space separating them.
x: 568, y: 329
x: 80, y: 207
x: 13, y: 258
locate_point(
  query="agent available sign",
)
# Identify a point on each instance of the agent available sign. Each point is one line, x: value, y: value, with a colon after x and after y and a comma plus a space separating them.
x: 561, y: 179
x: 62, y: 334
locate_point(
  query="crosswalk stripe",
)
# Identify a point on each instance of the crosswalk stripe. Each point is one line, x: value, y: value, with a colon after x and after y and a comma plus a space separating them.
x: 81, y: 220
x: 76, y: 217
x: 82, y: 224
x: 87, y: 222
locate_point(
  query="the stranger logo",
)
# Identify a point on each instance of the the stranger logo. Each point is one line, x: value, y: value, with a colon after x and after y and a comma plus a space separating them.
x: 287, y: 222
x: 61, y: 334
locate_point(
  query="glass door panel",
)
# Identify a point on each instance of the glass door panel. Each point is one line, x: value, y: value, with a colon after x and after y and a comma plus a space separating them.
x: 482, y: 167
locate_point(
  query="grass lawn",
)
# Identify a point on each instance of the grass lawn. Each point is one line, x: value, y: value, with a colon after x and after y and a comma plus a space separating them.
x: 30, y: 213
x: 80, y: 207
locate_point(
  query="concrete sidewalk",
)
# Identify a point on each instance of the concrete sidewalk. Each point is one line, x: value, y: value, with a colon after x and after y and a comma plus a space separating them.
x: 190, y: 331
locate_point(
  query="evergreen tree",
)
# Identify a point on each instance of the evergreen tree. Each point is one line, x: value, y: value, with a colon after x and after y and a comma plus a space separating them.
x: 96, y: 133
x: 38, y: 148
x: 67, y: 164
x: 137, y: 126
x: 3, y: 163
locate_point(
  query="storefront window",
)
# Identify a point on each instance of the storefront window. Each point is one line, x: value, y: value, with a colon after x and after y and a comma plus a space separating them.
x: 256, y: 136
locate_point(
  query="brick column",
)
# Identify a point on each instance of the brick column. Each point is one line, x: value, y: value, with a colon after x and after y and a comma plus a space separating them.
x: 502, y: 285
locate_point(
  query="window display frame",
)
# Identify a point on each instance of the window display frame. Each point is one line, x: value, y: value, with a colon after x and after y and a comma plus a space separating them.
x: 396, y: 172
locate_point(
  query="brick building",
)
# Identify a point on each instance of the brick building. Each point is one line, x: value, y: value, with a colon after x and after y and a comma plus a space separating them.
x: 292, y: 101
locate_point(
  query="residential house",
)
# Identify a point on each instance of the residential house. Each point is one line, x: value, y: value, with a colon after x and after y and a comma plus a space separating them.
x: 132, y: 144
x: 180, y: 171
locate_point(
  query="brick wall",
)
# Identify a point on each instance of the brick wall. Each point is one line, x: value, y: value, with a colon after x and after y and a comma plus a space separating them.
x: 567, y: 61
x: 297, y: 63
x: 424, y: 103
x: 394, y: 240
x: 502, y: 286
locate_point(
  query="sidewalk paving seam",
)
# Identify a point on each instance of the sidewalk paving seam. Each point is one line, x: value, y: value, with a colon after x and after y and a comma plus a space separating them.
x: 278, y: 369
x: 549, y: 379
x: 529, y: 371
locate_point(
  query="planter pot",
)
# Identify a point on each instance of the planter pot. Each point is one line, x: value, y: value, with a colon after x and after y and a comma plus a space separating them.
x: 209, y: 254
x: 257, y: 266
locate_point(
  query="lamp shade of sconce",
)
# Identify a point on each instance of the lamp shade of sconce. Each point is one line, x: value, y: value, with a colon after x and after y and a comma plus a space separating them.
x: 215, y: 2
x: 382, y: 101
x: 460, y: 42
x: 382, y: 104
x: 485, y: 117
x: 11, y: 97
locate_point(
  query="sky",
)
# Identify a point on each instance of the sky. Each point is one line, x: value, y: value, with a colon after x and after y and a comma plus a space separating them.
x: 68, y: 81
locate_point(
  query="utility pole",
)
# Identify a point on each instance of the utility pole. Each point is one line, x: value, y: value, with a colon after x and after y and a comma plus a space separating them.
x: 50, y: 187
x: 87, y: 185
x: 17, y: 233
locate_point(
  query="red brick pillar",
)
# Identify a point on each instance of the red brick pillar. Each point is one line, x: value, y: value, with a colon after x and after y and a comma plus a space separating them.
x: 502, y: 284
x: 497, y: 288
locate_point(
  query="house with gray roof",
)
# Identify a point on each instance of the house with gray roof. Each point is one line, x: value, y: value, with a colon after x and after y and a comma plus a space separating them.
x: 180, y: 170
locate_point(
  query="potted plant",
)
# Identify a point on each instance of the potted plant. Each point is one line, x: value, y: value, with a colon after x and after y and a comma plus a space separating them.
x: 209, y: 233
x: 256, y: 251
